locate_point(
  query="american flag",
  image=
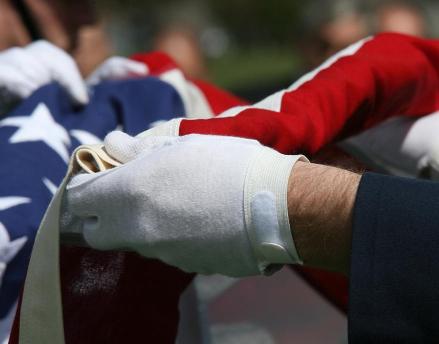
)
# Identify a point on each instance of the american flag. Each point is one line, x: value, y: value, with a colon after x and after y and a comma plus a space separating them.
x: 36, y: 140
x: 38, y: 136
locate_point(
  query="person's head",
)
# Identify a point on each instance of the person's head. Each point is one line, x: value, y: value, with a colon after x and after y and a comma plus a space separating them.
x: 180, y: 42
x: 342, y: 31
x: 401, y: 16
x: 58, y: 21
x: 330, y: 27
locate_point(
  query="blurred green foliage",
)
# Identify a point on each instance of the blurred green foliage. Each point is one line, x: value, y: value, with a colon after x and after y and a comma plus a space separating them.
x: 240, y: 69
x: 260, y: 22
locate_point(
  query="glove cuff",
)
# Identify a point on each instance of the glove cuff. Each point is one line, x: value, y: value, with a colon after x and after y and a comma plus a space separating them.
x: 266, y: 209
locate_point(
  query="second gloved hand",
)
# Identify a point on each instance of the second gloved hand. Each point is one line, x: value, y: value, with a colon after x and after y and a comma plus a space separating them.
x: 117, y: 68
x: 23, y: 70
x: 205, y: 204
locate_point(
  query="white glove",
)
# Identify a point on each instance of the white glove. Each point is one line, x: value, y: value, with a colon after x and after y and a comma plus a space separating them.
x: 402, y: 146
x: 116, y: 68
x: 168, y: 128
x: 23, y: 70
x: 206, y: 204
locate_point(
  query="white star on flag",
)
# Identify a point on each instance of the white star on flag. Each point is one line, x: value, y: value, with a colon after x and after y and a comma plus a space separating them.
x: 84, y: 137
x: 8, y: 248
x: 50, y: 185
x: 40, y: 126
x: 12, y: 201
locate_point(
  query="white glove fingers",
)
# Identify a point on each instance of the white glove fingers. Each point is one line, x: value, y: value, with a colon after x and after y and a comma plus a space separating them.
x: 82, y: 203
x: 18, y: 74
x: 127, y: 68
x: 90, y: 202
x: 23, y: 70
x: 124, y: 148
x: 119, y: 146
x: 15, y: 83
x: 26, y: 66
x: 116, y: 68
x: 62, y: 68
x: 25, y: 89
x: 72, y: 81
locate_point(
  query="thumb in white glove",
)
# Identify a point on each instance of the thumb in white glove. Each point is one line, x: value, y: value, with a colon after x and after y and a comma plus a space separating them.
x: 125, y: 148
x: 23, y: 70
x: 205, y: 204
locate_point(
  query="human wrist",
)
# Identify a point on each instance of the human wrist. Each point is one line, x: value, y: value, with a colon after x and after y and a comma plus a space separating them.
x: 320, y: 203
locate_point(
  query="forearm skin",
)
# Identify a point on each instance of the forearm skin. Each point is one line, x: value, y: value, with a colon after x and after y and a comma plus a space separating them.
x: 320, y: 206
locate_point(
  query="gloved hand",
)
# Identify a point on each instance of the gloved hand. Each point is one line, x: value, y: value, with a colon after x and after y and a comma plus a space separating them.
x: 115, y: 68
x: 168, y: 128
x: 402, y: 146
x: 23, y: 70
x: 206, y: 204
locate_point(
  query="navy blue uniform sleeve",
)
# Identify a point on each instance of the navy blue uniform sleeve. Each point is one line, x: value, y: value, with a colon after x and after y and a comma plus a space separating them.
x: 394, y: 278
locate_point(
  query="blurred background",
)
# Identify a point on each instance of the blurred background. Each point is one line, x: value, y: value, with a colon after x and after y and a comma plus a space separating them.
x: 251, y: 48
x: 256, y: 47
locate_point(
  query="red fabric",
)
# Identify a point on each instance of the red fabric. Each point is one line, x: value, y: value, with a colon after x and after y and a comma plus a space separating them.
x: 13, y: 338
x: 157, y: 62
x: 390, y: 75
x: 332, y: 286
x: 117, y: 297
